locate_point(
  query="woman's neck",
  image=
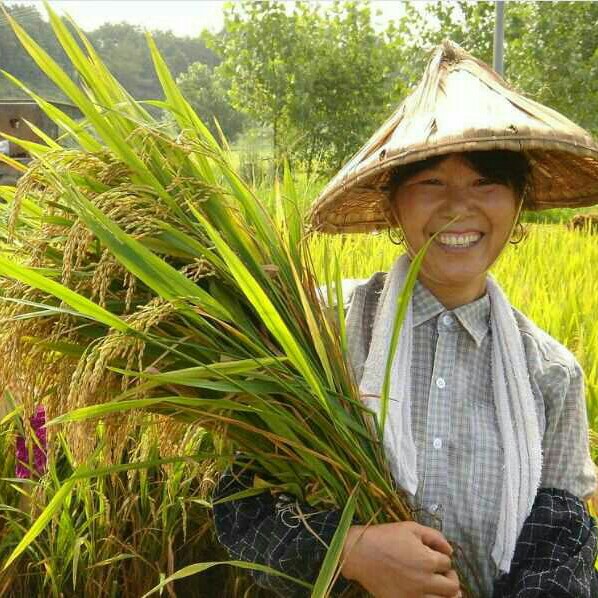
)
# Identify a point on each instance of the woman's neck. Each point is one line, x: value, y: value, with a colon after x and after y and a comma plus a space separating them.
x: 454, y: 296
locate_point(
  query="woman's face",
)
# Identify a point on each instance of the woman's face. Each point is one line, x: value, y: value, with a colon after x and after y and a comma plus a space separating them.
x: 485, y: 210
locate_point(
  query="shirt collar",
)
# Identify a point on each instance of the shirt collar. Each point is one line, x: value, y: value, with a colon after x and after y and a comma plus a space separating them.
x: 474, y: 316
x: 425, y: 304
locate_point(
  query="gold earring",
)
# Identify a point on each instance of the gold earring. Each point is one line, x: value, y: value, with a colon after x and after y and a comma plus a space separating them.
x: 522, y: 234
x: 397, y: 240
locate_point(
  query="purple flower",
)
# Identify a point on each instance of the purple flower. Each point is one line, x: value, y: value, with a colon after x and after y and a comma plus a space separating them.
x: 38, y: 448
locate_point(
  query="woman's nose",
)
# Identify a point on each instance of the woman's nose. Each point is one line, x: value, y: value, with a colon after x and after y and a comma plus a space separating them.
x: 459, y: 199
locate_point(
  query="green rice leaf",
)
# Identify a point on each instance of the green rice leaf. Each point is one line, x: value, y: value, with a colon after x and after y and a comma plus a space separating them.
x: 51, y: 143
x: 111, y: 83
x: 12, y: 162
x: 314, y: 330
x: 75, y: 129
x: 270, y: 316
x: 247, y: 493
x: 165, y: 280
x: 188, y: 376
x: 114, y: 559
x: 40, y: 523
x: 201, y: 567
x: 177, y: 403
x: 325, y: 578
x: 83, y: 306
x: 76, y: 555
x: 188, y: 245
x: 35, y: 149
x: 184, y: 114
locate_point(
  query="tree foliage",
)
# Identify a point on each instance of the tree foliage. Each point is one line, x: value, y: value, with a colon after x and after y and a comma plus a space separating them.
x: 257, y: 49
x: 344, y: 85
x: 319, y: 76
x: 122, y: 46
x: 551, y: 48
x: 124, y: 49
x: 323, y: 78
x: 207, y: 91
x: 556, y: 58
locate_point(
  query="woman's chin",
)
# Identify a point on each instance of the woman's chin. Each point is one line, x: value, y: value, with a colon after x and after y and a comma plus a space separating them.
x: 454, y: 278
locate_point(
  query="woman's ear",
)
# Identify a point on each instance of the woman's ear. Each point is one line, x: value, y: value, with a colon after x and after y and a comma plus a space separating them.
x: 393, y: 211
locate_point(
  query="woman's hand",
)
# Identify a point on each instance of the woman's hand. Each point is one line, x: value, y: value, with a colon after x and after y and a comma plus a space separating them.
x: 400, y: 560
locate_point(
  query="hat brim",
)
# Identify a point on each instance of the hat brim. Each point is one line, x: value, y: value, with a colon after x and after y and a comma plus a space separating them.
x: 461, y: 105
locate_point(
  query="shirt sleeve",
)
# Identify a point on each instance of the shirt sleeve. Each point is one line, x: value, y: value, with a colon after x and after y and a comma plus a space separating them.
x: 555, y: 551
x: 567, y: 463
x: 274, y: 531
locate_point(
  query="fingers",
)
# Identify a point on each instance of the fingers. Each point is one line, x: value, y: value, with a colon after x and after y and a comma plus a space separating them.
x: 443, y: 585
x: 440, y: 562
x: 435, y: 540
x: 452, y: 574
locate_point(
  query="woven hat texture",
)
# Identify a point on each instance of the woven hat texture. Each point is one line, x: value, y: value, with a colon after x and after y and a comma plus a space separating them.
x: 461, y: 105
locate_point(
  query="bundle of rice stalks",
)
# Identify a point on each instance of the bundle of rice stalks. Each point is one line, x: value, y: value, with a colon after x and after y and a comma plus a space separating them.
x: 166, y: 286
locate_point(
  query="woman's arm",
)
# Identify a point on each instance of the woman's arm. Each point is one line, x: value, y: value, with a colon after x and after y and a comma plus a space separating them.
x: 555, y: 552
x: 558, y: 545
x: 390, y: 560
x: 269, y: 530
x: 566, y: 454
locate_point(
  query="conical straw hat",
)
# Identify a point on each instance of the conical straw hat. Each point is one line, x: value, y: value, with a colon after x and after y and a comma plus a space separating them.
x: 461, y: 105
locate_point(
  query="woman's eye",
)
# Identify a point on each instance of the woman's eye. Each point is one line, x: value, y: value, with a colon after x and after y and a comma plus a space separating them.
x: 483, y: 181
x: 430, y: 181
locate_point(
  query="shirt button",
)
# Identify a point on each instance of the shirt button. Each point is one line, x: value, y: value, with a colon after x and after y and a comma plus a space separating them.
x: 434, y: 508
x: 437, y: 443
x: 440, y: 382
x: 447, y: 319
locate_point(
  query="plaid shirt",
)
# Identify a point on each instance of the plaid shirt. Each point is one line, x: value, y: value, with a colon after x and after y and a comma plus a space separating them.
x: 454, y: 423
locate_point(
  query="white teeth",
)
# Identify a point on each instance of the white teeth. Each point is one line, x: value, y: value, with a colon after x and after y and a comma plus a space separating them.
x: 459, y: 240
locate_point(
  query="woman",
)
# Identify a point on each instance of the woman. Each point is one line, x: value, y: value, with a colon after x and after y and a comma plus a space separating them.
x: 487, y: 433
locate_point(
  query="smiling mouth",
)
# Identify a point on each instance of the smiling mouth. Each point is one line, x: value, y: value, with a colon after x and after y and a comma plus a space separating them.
x: 459, y: 240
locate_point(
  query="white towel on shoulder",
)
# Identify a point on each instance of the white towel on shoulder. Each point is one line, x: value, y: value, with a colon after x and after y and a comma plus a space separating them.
x: 513, y: 399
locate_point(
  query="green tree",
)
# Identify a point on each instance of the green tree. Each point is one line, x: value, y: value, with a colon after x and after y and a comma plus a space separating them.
x: 16, y: 61
x: 207, y: 92
x: 555, y: 59
x: 257, y: 48
x: 124, y: 49
x: 345, y: 84
x: 122, y: 46
x: 320, y: 77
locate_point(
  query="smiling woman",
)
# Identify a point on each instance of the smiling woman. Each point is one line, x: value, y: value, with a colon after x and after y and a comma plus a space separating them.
x: 478, y: 196
x: 487, y: 430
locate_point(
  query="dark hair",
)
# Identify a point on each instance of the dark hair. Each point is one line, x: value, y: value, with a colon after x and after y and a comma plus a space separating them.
x: 503, y: 166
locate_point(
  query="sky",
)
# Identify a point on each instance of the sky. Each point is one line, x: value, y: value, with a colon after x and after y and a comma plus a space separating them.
x: 182, y: 17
